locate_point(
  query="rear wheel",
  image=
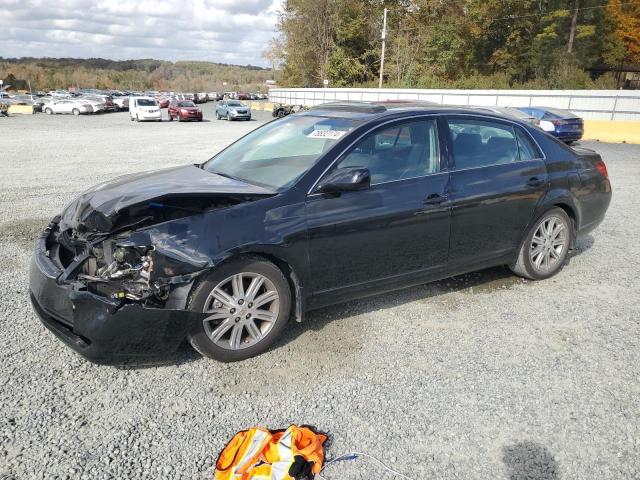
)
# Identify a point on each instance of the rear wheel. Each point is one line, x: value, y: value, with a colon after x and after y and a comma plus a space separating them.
x: 48, y: 111
x: 545, y: 249
x: 75, y: 111
x: 170, y: 117
x: 218, y: 116
x: 247, y: 303
x: 137, y: 119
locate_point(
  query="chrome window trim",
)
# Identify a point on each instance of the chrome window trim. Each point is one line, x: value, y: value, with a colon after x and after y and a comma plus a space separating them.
x: 489, y: 118
x: 427, y: 116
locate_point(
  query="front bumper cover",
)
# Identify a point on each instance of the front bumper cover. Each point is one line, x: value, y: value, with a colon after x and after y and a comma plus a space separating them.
x: 104, y: 331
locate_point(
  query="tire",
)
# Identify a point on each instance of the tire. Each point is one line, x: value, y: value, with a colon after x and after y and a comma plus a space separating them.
x: 280, y: 113
x: 132, y: 119
x: 75, y: 111
x: 546, y: 263
x: 246, y: 345
x: 218, y: 116
x: 48, y: 111
x: 137, y: 119
x: 170, y: 117
x: 179, y: 118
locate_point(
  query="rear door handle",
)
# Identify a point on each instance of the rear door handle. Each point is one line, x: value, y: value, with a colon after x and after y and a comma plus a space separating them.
x: 435, y: 199
x: 535, y: 182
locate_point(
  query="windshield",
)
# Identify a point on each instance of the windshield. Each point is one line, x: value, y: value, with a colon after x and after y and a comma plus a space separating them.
x: 277, y: 154
x: 235, y: 104
x: 143, y: 102
x: 186, y: 104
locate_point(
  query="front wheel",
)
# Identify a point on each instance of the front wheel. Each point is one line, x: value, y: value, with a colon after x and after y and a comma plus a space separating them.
x: 247, y: 303
x: 218, y: 116
x: 48, y: 111
x: 545, y: 249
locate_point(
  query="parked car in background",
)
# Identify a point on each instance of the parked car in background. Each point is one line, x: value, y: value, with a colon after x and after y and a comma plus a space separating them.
x: 562, y: 124
x: 67, y: 105
x: 105, y: 102
x: 233, y: 110
x: 214, y: 96
x: 29, y: 99
x: 96, y: 103
x: 511, y: 112
x: 201, y: 97
x: 144, y: 108
x: 121, y: 102
x: 184, y: 110
x: 164, y: 102
x: 281, y: 110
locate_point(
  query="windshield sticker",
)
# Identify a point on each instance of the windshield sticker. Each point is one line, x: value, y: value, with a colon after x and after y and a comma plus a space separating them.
x: 330, y: 134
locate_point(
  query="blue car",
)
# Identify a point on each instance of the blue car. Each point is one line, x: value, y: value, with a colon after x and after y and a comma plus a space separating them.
x: 562, y: 124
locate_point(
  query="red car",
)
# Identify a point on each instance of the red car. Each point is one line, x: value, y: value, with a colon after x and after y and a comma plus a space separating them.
x: 184, y: 110
x: 163, y: 102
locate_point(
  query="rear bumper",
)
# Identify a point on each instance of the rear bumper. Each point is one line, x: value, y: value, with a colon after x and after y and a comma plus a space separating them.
x: 102, y: 330
x: 568, y: 135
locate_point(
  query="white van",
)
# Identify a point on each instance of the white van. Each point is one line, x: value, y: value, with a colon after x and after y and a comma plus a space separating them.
x: 144, y: 108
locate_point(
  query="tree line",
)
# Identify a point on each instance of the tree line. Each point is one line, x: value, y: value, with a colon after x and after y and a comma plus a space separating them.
x: 145, y: 74
x: 455, y: 43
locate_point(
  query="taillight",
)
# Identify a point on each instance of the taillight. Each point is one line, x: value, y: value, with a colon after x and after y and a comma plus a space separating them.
x: 602, y: 168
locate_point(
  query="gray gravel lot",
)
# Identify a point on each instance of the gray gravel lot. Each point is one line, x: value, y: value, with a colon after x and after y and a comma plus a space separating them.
x: 478, y: 377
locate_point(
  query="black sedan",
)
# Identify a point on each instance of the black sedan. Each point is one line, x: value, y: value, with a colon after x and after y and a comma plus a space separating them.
x: 340, y: 202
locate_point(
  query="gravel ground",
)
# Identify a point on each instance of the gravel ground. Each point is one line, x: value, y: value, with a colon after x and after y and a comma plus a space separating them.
x: 478, y: 377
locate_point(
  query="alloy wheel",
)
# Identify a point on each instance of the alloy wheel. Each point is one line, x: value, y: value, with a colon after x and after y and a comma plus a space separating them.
x: 241, y: 309
x: 549, y: 243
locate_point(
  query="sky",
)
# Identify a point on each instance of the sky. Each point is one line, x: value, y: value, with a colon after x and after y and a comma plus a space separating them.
x: 226, y: 31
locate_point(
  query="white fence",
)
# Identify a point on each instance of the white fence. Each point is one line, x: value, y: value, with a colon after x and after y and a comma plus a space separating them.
x: 591, y: 104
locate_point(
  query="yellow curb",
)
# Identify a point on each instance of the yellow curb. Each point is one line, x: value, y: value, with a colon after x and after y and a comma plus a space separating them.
x: 614, y: 131
x: 21, y: 109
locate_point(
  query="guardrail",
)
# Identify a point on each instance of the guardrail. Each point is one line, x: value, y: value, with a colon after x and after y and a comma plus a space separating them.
x: 589, y: 104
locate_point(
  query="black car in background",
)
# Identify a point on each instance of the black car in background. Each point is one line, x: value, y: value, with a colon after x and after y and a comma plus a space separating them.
x: 340, y: 202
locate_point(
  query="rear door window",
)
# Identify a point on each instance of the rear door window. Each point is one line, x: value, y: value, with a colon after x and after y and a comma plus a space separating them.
x: 482, y: 143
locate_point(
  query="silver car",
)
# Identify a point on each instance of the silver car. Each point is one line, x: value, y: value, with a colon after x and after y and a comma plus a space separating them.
x: 67, y: 105
x: 233, y: 110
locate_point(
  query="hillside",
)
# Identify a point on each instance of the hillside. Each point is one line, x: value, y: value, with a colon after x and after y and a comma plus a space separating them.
x: 50, y: 73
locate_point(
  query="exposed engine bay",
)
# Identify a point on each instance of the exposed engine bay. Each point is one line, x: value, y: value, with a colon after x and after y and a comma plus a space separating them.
x: 125, y: 263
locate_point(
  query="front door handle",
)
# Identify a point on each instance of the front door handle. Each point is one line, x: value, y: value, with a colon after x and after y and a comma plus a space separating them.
x: 535, y: 182
x: 435, y: 199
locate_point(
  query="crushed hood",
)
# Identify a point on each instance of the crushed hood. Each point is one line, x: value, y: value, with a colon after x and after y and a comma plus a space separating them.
x: 96, y: 208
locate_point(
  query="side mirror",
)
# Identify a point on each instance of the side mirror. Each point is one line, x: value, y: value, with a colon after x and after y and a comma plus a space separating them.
x: 348, y: 179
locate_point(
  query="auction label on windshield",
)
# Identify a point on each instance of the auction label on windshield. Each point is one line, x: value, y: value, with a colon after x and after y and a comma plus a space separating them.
x: 331, y: 134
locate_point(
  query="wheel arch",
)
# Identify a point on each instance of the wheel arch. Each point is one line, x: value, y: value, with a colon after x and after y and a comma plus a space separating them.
x: 293, y: 278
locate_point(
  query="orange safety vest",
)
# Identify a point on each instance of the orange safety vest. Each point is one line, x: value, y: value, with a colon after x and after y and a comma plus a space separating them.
x: 258, y: 454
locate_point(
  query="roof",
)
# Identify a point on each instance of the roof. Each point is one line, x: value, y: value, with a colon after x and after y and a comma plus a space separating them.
x: 372, y: 110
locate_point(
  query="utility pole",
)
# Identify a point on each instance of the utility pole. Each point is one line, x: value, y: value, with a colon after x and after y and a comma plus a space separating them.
x: 574, y: 24
x: 384, y: 38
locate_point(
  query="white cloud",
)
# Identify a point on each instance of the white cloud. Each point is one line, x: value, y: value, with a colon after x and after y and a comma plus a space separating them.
x: 230, y: 31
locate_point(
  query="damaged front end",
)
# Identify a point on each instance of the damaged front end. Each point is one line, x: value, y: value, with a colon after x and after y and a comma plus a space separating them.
x: 128, y: 266
x: 112, y: 275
